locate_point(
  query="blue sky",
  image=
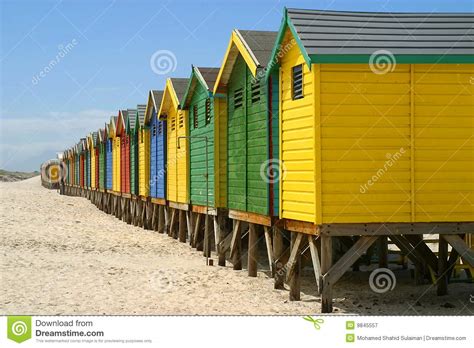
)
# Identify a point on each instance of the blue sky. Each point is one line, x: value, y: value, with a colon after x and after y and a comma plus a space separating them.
x: 67, y: 66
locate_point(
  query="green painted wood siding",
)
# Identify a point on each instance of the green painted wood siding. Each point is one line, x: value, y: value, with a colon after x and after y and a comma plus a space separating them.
x: 134, y: 163
x: 198, y: 148
x: 247, y: 143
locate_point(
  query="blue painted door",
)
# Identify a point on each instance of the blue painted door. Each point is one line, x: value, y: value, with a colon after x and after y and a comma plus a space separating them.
x: 108, y: 155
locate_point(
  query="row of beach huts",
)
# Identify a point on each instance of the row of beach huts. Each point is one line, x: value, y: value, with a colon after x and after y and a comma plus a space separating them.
x: 343, y: 128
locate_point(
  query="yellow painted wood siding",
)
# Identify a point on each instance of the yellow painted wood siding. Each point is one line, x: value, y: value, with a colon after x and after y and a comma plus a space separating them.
x: 177, y: 158
x: 297, y: 192
x: 116, y: 178
x: 444, y: 142
x: 220, y: 163
x: 144, y: 162
x: 365, y: 144
x: 92, y: 152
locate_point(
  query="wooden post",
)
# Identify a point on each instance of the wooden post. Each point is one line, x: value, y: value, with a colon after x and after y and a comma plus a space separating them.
x: 236, y: 245
x: 161, y: 219
x: 442, y: 288
x: 154, y: 217
x: 196, y: 234
x: 278, y: 265
x: 268, y: 244
x: 207, y: 236
x: 252, y: 251
x: 182, y: 226
x: 294, y: 267
x: 383, y: 251
x: 172, y: 223
x: 190, y: 226
x: 326, y: 262
x: 221, y: 225
x: 316, y: 263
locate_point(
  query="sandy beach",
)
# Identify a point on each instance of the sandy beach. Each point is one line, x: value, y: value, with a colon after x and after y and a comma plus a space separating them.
x: 61, y: 255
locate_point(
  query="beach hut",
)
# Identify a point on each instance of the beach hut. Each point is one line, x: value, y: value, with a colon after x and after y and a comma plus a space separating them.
x: 102, y: 144
x: 134, y: 148
x: 250, y: 129
x: 205, y: 163
x: 116, y: 176
x: 77, y: 165
x: 156, y: 183
x: 95, y: 161
x: 177, y: 144
x: 87, y: 163
x: 121, y: 132
x: 109, y: 156
x: 375, y: 130
x: 177, y: 155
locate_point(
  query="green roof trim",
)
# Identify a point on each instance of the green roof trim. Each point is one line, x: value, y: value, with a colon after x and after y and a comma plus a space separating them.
x: 195, y: 74
x: 285, y: 24
x: 399, y: 59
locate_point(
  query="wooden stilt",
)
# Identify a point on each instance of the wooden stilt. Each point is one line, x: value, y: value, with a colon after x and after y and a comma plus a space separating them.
x: 196, y: 238
x: 166, y: 213
x: 326, y: 262
x: 383, y: 251
x: 236, y: 246
x: 207, y: 236
x: 182, y: 226
x: 278, y: 249
x: 268, y: 244
x: 442, y: 288
x: 161, y: 219
x: 190, y: 225
x: 252, y: 251
x: 316, y: 263
x: 458, y: 244
x: 172, y: 223
x: 220, y: 221
x: 294, y: 267
x: 154, y: 217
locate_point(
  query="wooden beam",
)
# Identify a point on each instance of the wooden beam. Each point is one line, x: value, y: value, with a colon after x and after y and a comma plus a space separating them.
x: 221, y: 222
x: 173, y: 222
x: 190, y: 225
x: 424, y: 250
x: 466, y: 253
x: 294, y: 267
x: 161, y: 219
x: 316, y: 264
x: 182, y: 226
x: 236, y: 246
x: 250, y: 217
x: 278, y: 249
x: 442, y: 288
x: 268, y: 243
x: 207, y: 236
x: 294, y: 254
x: 382, y: 247
x: 197, y: 227
x: 252, y: 253
x: 326, y: 262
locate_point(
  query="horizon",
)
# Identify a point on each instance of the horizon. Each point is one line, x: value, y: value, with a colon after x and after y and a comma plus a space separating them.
x: 67, y: 66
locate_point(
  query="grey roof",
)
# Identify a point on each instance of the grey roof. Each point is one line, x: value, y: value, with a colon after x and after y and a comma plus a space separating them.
x: 131, y: 116
x: 260, y: 43
x: 157, y: 97
x: 180, y: 85
x: 95, y: 135
x: 141, y: 108
x: 334, y: 32
x: 209, y: 75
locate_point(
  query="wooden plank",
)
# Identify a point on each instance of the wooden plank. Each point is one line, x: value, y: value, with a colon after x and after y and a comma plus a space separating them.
x: 204, y: 210
x: 252, y: 253
x: 278, y: 249
x: 161, y: 219
x: 207, y: 236
x: 294, y: 270
x: 236, y: 246
x: 466, y: 253
x: 172, y: 223
x: 250, y: 217
x: 316, y: 264
x: 180, y: 206
x: 268, y: 243
x: 301, y: 227
x: 407, y: 249
x: 442, y: 288
x: 389, y: 229
x: 197, y: 227
x: 159, y: 201
x: 126, y: 195
x: 190, y: 226
x: 326, y: 262
x: 382, y: 251
x: 428, y: 255
x: 294, y: 254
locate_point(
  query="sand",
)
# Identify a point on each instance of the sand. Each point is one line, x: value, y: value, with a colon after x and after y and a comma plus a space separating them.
x: 61, y: 255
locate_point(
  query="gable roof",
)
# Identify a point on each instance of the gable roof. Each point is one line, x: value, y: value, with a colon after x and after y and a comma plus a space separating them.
x: 112, y: 125
x: 95, y: 136
x: 354, y: 37
x: 153, y: 103
x: 205, y: 76
x: 173, y: 93
x: 130, y: 119
x: 120, y: 124
x: 254, y: 46
x: 141, y: 108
